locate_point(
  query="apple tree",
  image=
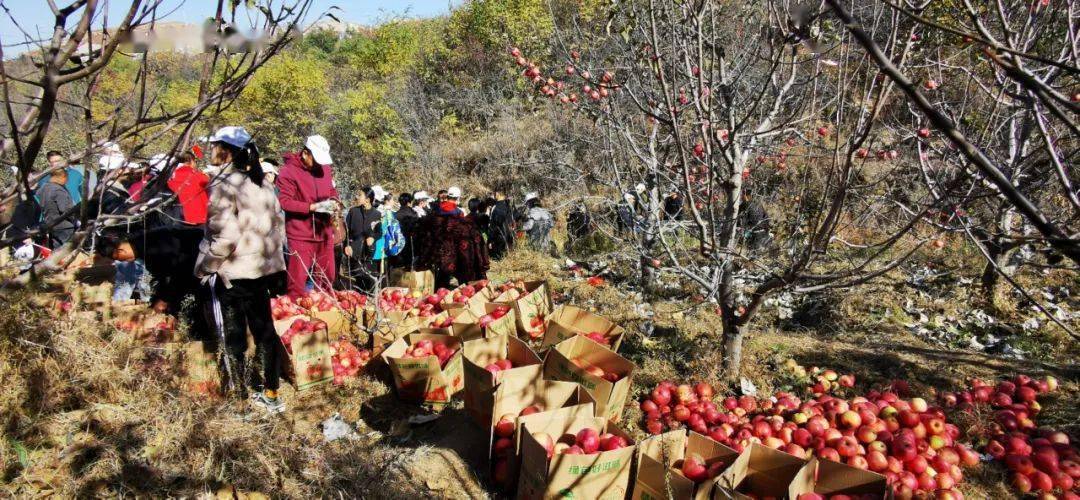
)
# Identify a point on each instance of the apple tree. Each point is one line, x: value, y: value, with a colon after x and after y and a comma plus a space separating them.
x: 766, y: 121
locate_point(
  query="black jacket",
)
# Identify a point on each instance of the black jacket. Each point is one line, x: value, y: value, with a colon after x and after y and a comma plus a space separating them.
x: 169, y: 255
x: 360, y: 225
x: 55, y: 203
x: 407, y: 219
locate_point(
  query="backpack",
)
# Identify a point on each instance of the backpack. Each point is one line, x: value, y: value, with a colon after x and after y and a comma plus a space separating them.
x: 392, y: 236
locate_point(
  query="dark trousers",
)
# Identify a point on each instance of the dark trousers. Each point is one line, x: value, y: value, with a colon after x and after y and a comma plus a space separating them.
x: 366, y: 274
x: 246, y: 306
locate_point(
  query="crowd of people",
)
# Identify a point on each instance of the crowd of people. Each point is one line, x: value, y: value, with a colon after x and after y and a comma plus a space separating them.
x: 214, y: 244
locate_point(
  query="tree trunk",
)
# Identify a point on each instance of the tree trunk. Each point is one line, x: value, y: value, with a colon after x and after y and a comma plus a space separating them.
x: 733, y: 344
x: 999, y: 251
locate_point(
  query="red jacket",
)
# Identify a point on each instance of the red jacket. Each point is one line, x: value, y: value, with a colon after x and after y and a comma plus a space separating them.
x: 190, y: 188
x: 297, y: 190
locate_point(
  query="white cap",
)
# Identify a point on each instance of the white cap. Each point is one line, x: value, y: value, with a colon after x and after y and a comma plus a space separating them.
x: 379, y: 192
x: 111, y: 149
x: 421, y: 196
x: 233, y: 136
x: 268, y: 168
x: 320, y: 149
x: 158, y: 162
x: 640, y: 188
x: 532, y: 196
x: 454, y: 192
x: 112, y: 162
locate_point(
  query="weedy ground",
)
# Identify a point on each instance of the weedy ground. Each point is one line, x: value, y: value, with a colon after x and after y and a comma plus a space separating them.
x: 87, y: 411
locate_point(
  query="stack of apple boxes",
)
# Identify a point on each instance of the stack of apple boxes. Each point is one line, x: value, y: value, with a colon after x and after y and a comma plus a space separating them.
x: 552, y: 419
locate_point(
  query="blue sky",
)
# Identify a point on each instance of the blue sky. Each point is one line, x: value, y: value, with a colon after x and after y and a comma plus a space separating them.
x: 35, y: 16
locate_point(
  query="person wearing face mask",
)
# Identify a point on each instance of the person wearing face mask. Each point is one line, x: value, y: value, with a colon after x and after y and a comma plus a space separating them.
x: 240, y: 260
x: 310, y: 200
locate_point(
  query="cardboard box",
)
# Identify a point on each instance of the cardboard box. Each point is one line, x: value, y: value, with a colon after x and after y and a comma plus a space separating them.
x: 467, y: 323
x: 831, y: 478
x: 421, y: 281
x: 475, y: 303
x: 391, y: 326
x: 603, y: 475
x: 309, y: 363
x: 563, y: 362
x: 532, y: 305
x: 567, y: 321
x: 660, y: 459
x: 480, y: 384
x: 199, y: 371
x: 422, y: 379
x: 340, y: 322
x: 438, y: 319
x: 760, y: 470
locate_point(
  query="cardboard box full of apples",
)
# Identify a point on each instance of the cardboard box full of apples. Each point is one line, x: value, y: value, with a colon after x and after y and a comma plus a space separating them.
x: 426, y: 367
x: 570, y: 454
x: 307, y: 344
x: 606, y: 375
x: 491, y: 361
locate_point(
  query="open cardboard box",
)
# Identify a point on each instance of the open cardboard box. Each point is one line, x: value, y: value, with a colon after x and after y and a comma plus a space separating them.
x: 567, y: 321
x: 563, y: 362
x: 480, y: 383
x: 760, y: 470
x: 392, y: 326
x: 422, y: 379
x: 832, y: 478
x: 532, y: 306
x: 467, y: 323
x: 340, y: 322
x: 514, y: 395
x: 483, y: 295
x: 660, y: 458
x: 601, y: 475
x: 309, y: 363
x: 421, y: 281
x: 197, y: 367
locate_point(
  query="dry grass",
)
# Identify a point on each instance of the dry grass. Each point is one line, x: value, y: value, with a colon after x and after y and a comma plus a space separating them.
x: 84, y: 414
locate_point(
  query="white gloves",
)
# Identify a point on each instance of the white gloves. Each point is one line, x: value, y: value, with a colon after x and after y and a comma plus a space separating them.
x: 325, y: 207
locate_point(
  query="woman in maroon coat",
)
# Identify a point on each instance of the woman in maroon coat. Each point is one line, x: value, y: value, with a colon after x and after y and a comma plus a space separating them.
x: 451, y: 246
x: 307, y: 195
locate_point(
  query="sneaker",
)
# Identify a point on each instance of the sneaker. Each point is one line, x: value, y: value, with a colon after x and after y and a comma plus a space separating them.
x: 271, y: 405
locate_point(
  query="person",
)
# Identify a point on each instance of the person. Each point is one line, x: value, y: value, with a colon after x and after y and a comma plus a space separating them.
x: 500, y: 226
x: 55, y: 206
x: 407, y: 218
x: 74, y: 184
x: 755, y: 222
x: 138, y: 176
x: 363, y: 227
x: 449, y: 204
x: 578, y: 222
x: 478, y: 213
x: 21, y: 218
x: 626, y: 212
x: 168, y: 255
x: 421, y: 203
x: 451, y: 245
x: 240, y: 260
x: 115, y: 198
x: 308, y: 196
x: 538, y: 223
x: 441, y: 196
x: 673, y: 205
x: 190, y: 186
x: 270, y: 168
